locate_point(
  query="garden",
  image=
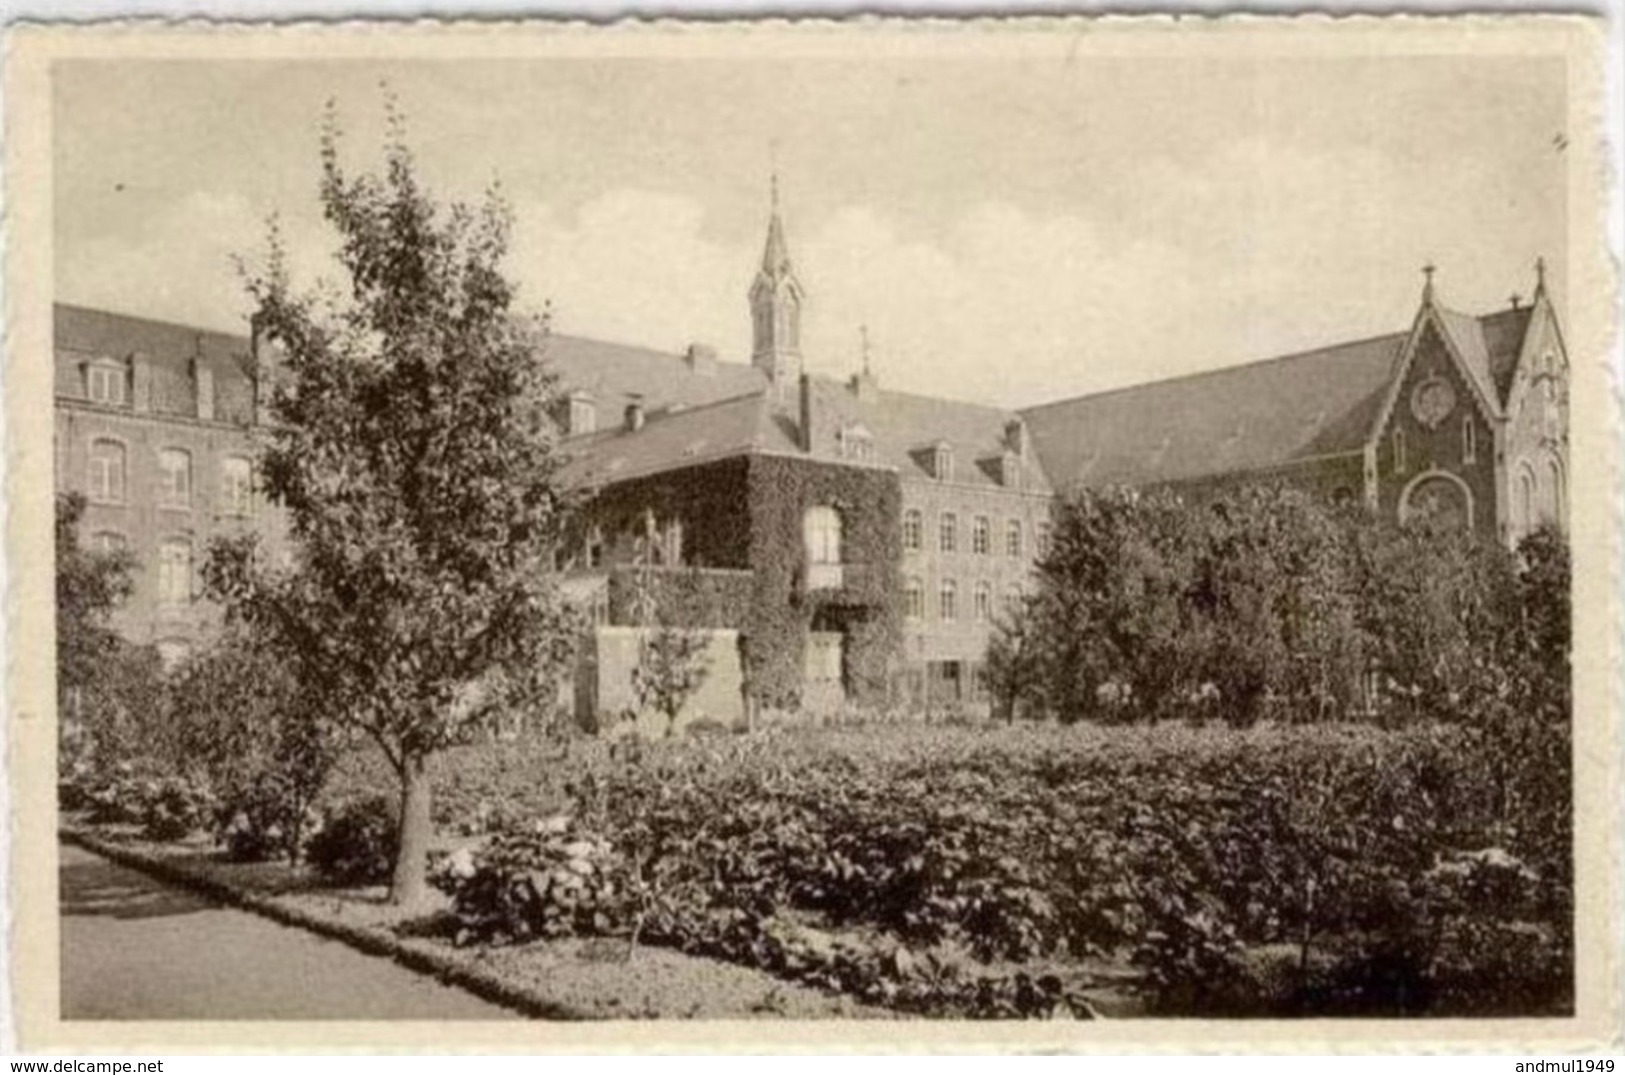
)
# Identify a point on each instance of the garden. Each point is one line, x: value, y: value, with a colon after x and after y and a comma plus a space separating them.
x: 989, y: 871
x: 1252, y: 753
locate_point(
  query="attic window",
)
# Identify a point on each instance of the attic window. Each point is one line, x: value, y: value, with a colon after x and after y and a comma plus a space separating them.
x: 583, y: 414
x: 942, y: 462
x: 854, y: 442
x: 104, y: 382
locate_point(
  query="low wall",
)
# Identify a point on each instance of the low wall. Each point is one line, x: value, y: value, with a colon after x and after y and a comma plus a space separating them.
x: 604, y: 682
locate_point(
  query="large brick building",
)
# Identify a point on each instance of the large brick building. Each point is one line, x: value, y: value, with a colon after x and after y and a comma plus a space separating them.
x: 154, y: 425
x: 859, y: 540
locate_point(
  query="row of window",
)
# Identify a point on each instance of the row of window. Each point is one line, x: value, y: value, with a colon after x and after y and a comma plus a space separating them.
x: 1469, y: 445
x: 948, y: 600
x: 174, y: 565
x: 108, y: 478
x: 981, y: 534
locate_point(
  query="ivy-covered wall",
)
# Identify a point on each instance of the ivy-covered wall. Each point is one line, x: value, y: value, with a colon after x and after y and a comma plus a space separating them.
x: 683, y: 596
x: 866, y: 608
x: 744, y: 563
x: 708, y: 499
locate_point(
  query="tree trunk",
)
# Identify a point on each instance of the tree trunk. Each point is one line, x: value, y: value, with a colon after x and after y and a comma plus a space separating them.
x: 410, y: 887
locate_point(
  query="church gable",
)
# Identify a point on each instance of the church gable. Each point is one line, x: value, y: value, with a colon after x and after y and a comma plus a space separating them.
x: 1537, y: 428
x: 1435, y: 449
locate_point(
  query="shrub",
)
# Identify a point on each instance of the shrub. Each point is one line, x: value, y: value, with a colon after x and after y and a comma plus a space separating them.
x: 248, y: 723
x: 355, y: 844
x: 173, y: 807
x: 545, y: 879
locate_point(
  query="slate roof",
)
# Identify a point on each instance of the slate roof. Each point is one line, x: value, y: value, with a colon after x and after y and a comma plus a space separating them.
x: 674, y: 439
x: 1255, y: 416
x: 1468, y: 336
x: 169, y: 350
x: 164, y: 343
x: 1504, y: 333
x: 902, y: 428
x: 615, y: 374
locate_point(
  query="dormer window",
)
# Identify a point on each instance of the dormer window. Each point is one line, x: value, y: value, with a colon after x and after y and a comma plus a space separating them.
x: 942, y: 462
x: 105, y: 382
x: 854, y: 442
x: 583, y: 414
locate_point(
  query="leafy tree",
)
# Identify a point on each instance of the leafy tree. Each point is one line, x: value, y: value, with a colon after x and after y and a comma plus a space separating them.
x: 111, y: 690
x: 1013, y: 662
x: 672, y: 662
x: 1271, y: 607
x: 672, y: 665
x: 89, y: 586
x: 411, y: 447
x: 253, y: 729
x: 1111, y: 603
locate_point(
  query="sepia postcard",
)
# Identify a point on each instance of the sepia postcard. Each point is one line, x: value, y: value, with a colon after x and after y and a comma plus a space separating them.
x: 1068, y: 533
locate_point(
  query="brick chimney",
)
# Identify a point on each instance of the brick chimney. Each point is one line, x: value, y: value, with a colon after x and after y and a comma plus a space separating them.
x: 809, y: 433
x: 203, y: 387
x: 1015, y: 438
x: 140, y: 383
x: 701, y: 359
x: 261, y: 359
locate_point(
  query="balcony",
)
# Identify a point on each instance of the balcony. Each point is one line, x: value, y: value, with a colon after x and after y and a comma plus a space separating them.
x: 841, y: 584
x: 825, y: 577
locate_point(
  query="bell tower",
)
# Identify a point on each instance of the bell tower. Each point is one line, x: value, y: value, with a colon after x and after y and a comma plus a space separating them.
x: 776, y: 298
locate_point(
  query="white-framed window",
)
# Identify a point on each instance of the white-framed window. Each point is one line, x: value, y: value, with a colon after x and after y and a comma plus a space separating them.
x: 1041, y: 539
x: 1012, y: 539
x: 175, y: 572
x: 175, y: 478
x: 981, y: 536
x: 948, y: 601
x: 942, y: 463
x: 236, y: 486
x: 913, y: 599
x: 107, y: 471
x: 984, y: 601
x: 948, y: 532
x: 913, y: 530
x: 1398, y: 443
x: 105, y: 383
x: 108, y: 542
x: 822, y: 527
x: 854, y: 442
x: 1552, y: 506
x: 1469, y: 440
x: 672, y: 537
x: 583, y: 415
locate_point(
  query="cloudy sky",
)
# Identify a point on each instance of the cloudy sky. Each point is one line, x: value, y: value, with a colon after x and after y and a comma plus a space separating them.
x: 1011, y: 230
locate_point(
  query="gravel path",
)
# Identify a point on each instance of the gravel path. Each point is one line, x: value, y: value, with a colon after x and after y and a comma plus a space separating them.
x: 134, y: 948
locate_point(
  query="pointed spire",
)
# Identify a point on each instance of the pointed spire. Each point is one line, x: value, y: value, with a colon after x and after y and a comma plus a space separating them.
x: 776, y: 253
x: 1427, y: 285
x: 1540, y: 278
x: 863, y: 334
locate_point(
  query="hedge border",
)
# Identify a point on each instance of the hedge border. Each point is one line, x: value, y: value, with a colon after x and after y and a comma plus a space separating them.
x: 370, y: 940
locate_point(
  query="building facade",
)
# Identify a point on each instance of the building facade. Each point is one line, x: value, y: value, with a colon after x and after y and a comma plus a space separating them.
x: 860, y: 542
x: 154, y: 426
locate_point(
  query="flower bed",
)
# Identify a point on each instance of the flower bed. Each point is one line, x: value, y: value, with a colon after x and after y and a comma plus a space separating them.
x: 1321, y: 870
x: 565, y: 979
